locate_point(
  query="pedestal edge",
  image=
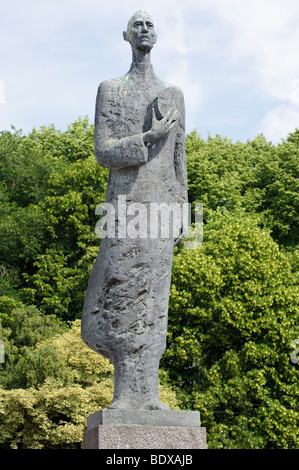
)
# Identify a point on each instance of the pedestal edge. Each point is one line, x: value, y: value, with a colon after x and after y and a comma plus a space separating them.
x: 113, y: 417
x: 145, y: 437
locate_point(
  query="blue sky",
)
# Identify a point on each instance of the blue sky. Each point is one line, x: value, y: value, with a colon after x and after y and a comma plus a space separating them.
x: 235, y: 60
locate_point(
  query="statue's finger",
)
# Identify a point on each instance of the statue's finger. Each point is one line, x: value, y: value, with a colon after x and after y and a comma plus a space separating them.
x: 172, y: 125
x: 174, y: 115
x: 168, y: 114
x: 153, y: 114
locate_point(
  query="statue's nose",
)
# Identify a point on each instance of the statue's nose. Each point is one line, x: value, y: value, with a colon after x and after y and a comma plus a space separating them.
x: 144, y: 27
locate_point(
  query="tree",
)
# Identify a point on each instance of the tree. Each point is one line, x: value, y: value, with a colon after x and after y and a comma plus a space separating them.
x: 278, y: 177
x: 25, y: 167
x: 21, y: 328
x: 232, y: 317
x: 50, y: 187
x: 233, y: 304
x: 61, y: 271
x: 65, y: 382
x: 294, y: 137
x: 258, y: 176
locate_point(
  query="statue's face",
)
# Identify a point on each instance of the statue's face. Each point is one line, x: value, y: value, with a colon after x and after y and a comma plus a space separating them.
x: 141, y: 32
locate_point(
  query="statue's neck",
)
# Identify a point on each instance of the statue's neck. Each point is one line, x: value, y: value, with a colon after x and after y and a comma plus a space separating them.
x: 141, y: 62
x: 141, y: 56
x: 141, y: 68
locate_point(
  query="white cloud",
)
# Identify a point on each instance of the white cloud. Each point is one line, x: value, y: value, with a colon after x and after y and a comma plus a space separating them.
x: 265, y: 32
x: 179, y: 75
x: 279, y: 122
x: 235, y: 60
x: 294, y: 95
x: 2, y: 93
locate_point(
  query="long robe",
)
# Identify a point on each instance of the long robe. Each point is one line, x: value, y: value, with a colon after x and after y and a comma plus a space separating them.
x: 126, y: 305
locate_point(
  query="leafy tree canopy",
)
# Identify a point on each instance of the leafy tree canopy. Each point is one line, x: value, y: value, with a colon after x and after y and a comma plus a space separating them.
x: 232, y: 318
x: 63, y: 382
x: 233, y: 310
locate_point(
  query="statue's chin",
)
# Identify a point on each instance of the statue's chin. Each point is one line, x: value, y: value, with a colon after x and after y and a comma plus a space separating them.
x: 144, y: 47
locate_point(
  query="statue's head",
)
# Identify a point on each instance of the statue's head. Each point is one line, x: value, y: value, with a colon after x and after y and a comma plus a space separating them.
x: 141, y: 31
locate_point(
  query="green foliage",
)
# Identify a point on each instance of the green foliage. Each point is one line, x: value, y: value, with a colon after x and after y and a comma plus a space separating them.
x: 74, y: 144
x: 25, y: 168
x: 260, y: 177
x: 50, y: 417
x: 232, y: 316
x: 50, y: 185
x: 65, y: 382
x: 21, y: 328
x: 279, y: 176
x: 233, y: 304
x: 22, y: 237
x: 294, y: 137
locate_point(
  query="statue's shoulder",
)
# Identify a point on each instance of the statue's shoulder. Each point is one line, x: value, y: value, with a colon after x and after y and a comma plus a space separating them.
x: 106, y: 85
x: 111, y: 84
x: 169, y: 96
x: 176, y: 90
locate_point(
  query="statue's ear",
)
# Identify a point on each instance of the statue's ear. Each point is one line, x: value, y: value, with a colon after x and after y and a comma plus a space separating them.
x: 125, y: 36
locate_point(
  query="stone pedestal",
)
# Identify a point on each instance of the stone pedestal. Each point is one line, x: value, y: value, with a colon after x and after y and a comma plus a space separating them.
x: 144, y: 429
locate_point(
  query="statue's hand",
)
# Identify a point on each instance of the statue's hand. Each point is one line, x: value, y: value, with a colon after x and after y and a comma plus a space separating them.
x: 181, y: 237
x: 160, y: 128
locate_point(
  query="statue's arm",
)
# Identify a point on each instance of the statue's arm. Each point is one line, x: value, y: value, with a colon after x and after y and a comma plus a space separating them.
x: 110, y: 151
x: 180, y: 154
x: 181, y: 164
x: 114, y: 151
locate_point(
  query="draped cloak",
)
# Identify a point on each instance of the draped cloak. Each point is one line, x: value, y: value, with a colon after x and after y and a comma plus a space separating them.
x: 126, y: 304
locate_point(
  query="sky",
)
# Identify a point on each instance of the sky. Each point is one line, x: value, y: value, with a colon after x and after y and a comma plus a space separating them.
x: 236, y: 61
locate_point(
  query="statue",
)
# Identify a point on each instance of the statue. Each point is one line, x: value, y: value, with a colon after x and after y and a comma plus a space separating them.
x: 140, y: 136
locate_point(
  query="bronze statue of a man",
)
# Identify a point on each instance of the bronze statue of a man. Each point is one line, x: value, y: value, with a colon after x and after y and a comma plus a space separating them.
x: 140, y: 136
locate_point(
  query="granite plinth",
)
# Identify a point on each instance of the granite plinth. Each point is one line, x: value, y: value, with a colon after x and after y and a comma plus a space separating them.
x: 145, y: 437
x: 144, y: 429
x: 114, y: 417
